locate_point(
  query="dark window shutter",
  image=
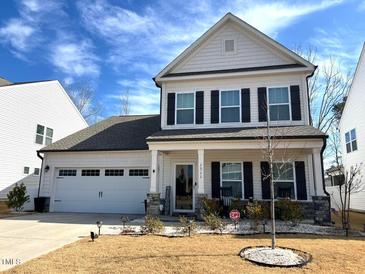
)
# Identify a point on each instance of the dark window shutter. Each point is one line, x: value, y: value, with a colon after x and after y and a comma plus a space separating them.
x: 262, y: 104
x: 245, y: 105
x: 295, y: 103
x: 300, y: 181
x: 199, y: 107
x: 214, y: 106
x: 216, y: 179
x: 171, y: 108
x: 248, y: 179
x: 265, y: 181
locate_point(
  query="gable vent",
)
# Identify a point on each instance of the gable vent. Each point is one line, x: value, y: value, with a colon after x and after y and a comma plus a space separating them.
x: 229, y: 46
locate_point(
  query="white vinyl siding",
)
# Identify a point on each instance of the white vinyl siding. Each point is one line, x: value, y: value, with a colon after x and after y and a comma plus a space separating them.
x: 22, y: 107
x: 251, y: 82
x: 249, y: 53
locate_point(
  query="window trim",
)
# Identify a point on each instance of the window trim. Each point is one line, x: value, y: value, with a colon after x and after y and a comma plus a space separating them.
x: 278, y: 104
x: 112, y: 172
x: 143, y: 176
x: 67, y: 169
x: 38, y: 134
x: 351, y: 141
x: 90, y: 169
x: 194, y: 107
x: 39, y: 171
x: 239, y: 106
x: 47, y: 137
x: 24, y: 170
x: 242, y: 175
x: 288, y: 181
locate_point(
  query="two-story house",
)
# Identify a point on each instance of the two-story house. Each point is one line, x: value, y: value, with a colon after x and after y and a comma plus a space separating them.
x: 352, y: 130
x: 33, y: 115
x: 217, y: 98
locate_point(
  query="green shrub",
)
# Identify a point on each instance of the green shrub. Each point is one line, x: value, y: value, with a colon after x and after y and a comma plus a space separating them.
x: 17, y: 197
x: 152, y: 225
x: 210, y: 206
x: 289, y: 211
x: 214, y: 222
x: 256, y: 212
x: 186, y: 223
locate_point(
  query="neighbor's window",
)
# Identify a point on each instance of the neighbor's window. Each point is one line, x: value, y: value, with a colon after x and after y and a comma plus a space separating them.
x: 229, y: 46
x: 283, y: 178
x: 49, y: 136
x: 36, y: 171
x: 90, y: 172
x: 138, y: 172
x: 26, y: 170
x: 39, y: 134
x: 351, y: 143
x: 230, y: 106
x: 67, y: 172
x: 279, y: 104
x: 114, y: 172
x: 185, y: 108
x: 232, y: 179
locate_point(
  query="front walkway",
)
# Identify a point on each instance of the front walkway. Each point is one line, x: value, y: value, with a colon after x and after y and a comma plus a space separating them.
x: 26, y: 237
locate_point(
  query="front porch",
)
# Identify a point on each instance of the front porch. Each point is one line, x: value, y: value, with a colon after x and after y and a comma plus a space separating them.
x: 182, y: 173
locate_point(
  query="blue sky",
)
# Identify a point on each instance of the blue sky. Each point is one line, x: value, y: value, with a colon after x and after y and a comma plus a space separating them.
x: 120, y: 45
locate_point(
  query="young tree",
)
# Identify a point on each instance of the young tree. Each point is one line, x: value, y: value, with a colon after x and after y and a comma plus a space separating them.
x: 83, y: 96
x: 17, y: 197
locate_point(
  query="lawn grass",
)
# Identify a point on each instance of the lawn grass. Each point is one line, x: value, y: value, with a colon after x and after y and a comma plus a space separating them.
x: 357, y: 220
x: 197, y: 254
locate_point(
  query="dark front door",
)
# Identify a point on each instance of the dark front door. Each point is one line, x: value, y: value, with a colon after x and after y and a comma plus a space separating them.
x: 184, y: 187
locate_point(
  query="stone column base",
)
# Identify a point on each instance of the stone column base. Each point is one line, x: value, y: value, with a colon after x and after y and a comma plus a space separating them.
x: 321, y: 206
x: 198, y: 205
x: 153, y: 204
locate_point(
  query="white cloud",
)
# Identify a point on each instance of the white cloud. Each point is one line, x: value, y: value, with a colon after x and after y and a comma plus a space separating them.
x: 75, y: 58
x: 18, y: 34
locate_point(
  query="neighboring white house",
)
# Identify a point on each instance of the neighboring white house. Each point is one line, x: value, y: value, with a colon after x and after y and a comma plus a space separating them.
x: 216, y: 97
x: 352, y: 129
x: 32, y: 116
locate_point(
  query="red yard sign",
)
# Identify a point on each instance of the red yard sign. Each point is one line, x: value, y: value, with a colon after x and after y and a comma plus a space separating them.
x: 234, y: 215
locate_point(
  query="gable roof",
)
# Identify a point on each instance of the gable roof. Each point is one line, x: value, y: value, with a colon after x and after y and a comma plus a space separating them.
x: 113, y: 134
x: 250, y: 29
x: 356, y: 75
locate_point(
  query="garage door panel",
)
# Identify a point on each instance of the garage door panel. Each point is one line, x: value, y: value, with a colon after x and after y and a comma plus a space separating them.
x: 120, y: 194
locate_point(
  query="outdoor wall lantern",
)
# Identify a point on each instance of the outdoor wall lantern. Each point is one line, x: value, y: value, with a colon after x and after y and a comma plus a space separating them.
x: 99, y: 225
x: 46, y: 168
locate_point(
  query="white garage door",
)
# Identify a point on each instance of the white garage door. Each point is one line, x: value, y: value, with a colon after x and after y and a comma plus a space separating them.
x: 100, y: 190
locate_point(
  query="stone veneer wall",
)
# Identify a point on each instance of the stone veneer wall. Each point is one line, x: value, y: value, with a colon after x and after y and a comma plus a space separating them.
x: 153, y: 204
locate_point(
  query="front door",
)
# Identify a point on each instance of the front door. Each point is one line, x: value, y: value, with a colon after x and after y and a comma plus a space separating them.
x: 184, y: 187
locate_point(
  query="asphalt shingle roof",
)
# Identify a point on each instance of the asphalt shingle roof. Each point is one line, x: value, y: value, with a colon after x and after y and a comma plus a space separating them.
x: 114, y: 133
x: 235, y: 133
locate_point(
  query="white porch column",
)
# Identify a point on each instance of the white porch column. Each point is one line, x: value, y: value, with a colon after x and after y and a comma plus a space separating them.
x: 201, y: 171
x: 154, y: 161
x: 318, y: 172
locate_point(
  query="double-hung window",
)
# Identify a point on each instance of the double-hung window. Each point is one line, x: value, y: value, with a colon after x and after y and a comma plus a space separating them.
x: 185, y: 108
x: 283, y: 178
x: 39, y: 134
x: 232, y: 179
x: 279, y: 109
x: 49, y: 136
x: 351, y: 141
x: 230, y: 106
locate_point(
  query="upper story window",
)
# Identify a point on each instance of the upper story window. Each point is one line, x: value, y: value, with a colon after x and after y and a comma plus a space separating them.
x: 45, y: 134
x: 283, y: 178
x: 26, y: 170
x: 230, y: 106
x: 278, y: 103
x: 229, y: 46
x: 36, y: 171
x: 39, y: 134
x: 351, y: 141
x: 185, y: 108
x: 232, y: 179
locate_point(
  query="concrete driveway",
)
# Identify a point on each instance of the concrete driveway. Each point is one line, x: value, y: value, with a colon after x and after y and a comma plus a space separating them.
x: 26, y: 237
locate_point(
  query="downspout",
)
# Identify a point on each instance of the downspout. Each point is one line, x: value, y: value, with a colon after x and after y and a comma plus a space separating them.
x: 157, y: 85
x: 309, y: 107
x: 322, y: 151
x: 40, y: 175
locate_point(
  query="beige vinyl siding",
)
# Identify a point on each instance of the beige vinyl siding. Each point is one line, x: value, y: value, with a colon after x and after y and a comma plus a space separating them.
x: 251, y: 82
x: 249, y: 53
x: 254, y: 156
